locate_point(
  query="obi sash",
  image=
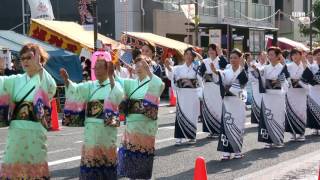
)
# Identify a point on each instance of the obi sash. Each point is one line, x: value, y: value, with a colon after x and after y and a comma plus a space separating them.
x: 187, y: 83
x: 27, y: 111
x: 295, y: 83
x: 141, y: 107
x: 208, y: 78
x: 273, y: 84
x: 95, y: 110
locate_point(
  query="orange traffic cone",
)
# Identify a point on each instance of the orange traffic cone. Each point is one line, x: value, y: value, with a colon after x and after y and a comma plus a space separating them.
x: 54, y: 116
x: 200, y: 170
x: 173, y: 99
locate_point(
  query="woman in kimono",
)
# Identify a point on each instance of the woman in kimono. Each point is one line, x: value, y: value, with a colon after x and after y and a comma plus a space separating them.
x: 136, y: 153
x: 149, y: 50
x: 256, y: 95
x: 102, y: 97
x: 30, y: 93
x: 186, y: 80
x: 296, y: 114
x: 232, y: 83
x: 311, y: 76
x: 212, y: 102
x: 273, y: 84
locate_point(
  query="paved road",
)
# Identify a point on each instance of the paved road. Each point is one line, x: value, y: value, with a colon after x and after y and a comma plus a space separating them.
x: 173, y: 162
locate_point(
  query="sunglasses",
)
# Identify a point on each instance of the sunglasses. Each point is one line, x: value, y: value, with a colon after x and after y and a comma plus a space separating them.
x: 25, y: 58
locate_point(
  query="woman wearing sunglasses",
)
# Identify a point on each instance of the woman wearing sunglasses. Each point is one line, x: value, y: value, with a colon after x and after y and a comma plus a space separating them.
x: 30, y: 93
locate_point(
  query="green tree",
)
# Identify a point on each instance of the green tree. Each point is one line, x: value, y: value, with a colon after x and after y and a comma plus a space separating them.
x: 305, y: 29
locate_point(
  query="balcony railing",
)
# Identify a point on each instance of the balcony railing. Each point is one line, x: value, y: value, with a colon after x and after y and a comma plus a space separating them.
x: 236, y: 9
x: 209, y: 8
x: 261, y: 11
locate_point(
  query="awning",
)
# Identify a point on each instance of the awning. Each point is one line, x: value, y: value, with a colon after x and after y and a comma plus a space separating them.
x: 58, y: 57
x: 160, y: 41
x: 67, y: 35
x: 285, y: 43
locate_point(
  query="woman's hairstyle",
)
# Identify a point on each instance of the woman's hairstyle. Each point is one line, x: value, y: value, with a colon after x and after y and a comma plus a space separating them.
x: 237, y: 52
x: 316, y: 51
x: 276, y: 50
x: 246, y: 55
x: 213, y: 47
x: 151, y: 46
x: 33, y: 47
x: 190, y: 49
x: 295, y: 51
x: 135, y: 53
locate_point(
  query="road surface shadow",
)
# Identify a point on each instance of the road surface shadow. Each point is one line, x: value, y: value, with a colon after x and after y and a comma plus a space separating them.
x: 72, y: 173
x: 217, y: 166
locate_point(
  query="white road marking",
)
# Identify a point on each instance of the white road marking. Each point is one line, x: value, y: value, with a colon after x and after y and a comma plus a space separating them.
x: 170, y: 139
x: 61, y: 161
x: 4, y: 128
x: 282, y: 168
x: 60, y: 150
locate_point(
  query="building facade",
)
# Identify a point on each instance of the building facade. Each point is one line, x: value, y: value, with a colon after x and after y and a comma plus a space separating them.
x: 66, y: 10
x: 238, y: 23
x: 289, y: 26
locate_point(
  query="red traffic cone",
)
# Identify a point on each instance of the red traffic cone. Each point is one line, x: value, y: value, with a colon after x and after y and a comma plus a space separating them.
x: 122, y: 117
x: 54, y: 116
x: 200, y: 170
x: 173, y: 99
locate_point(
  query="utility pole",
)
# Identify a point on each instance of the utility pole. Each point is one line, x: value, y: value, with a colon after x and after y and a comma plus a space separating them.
x: 196, y: 21
x: 95, y: 23
x: 310, y: 16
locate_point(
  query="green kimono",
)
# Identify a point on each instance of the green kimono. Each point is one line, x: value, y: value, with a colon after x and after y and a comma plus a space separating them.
x: 138, y: 143
x: 26, y: 149
x: 99, y: 152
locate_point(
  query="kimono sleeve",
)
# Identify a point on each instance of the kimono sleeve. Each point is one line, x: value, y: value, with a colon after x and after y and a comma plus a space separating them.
x: 112, y: 101
x: 152, y: 98
x: 48, y: 84
x: 74, y: 108
x: 6, y: 87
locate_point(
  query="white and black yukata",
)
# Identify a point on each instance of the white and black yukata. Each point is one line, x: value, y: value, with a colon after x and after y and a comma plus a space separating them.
x: 212, y: 101
x: 272, y: 83
x: 296, y: 115
x: 256, y: 95
x: 187, y: 88
x: 311, y: 76
x: 232, y: 90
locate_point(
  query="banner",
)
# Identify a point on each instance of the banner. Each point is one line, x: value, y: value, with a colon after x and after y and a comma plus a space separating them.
x: 42, y: 33
x: 189, y: 11
x: 215, y: 36
x: 86, y: 14
x: 41, y: 9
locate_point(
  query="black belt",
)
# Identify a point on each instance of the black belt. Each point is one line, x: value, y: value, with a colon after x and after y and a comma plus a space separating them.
x: 295, y: 83
x: 187, y: 83
x: 140, y: 107
x: 95, y: 109
x: 273, y: 84
x: 208, y: 78
x: 24, y: 111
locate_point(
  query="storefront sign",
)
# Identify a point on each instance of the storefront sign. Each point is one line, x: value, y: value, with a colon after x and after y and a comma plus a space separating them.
x: 215, y: 36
